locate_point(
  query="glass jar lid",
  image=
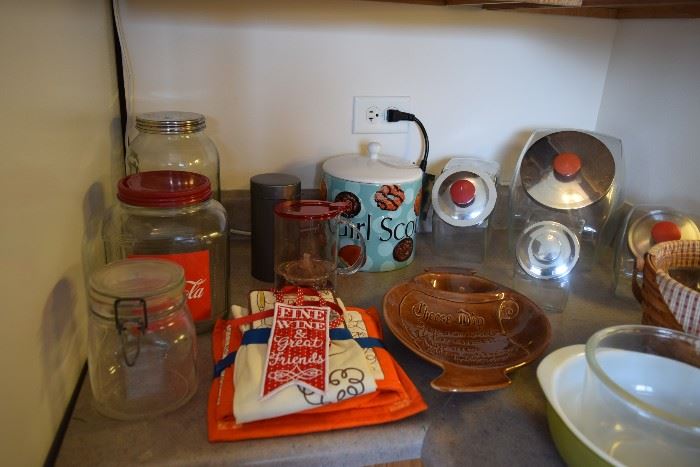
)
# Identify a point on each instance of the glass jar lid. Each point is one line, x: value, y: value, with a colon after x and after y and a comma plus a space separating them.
x: 136, y: 285
x: 164, y: 189
x: 657, y: 226
x: 170, y: 122
x: 547, y: 250
x: 567, y: 170
x: 464, y: 195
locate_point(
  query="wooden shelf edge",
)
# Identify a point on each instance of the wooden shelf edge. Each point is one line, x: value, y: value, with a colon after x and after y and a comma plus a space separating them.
x: 615, y: 9
x: 632, y: 12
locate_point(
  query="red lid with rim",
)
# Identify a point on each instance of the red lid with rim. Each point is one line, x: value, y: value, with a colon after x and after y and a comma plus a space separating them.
x: 164, y: 189
x: 462, y: 192
x: 567, y: 164
x: 665, y: 231
x: 310, y: 209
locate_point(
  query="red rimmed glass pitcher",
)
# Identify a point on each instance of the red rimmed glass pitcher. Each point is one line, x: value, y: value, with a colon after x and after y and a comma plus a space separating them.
x: 308, y: 248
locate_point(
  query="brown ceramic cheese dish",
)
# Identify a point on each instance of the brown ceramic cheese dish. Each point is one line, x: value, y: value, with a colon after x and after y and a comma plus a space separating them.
x: 476, y: 330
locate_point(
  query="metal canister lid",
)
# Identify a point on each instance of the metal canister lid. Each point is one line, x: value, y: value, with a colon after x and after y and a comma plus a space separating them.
x: 170, y: 122
x: 567, y: 170
x: 547, y: 250
x: 639, y: 233
x: 464, y: 195
x: 275, y: 186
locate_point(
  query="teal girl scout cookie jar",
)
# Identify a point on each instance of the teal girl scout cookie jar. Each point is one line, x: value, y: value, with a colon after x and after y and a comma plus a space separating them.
x: 384, y: 197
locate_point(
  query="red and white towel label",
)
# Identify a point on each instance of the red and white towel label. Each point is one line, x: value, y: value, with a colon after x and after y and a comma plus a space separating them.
x: 297, y: 352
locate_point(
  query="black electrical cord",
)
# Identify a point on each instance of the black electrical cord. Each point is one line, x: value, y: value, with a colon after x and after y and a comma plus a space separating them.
x: 393, y: 115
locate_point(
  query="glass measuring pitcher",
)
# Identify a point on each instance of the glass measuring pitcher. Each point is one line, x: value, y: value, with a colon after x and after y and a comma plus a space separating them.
x: 308, y: 248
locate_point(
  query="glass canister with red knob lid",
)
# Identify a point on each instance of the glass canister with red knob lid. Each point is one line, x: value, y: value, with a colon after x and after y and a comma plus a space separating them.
x: 645, y: 226
x: 571, y: 176
x: 566, y: 186
x: 463, y: 198
x: 171, y: 215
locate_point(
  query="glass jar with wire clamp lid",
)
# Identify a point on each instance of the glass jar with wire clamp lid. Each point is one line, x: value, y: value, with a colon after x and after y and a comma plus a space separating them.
x: 141, y: 339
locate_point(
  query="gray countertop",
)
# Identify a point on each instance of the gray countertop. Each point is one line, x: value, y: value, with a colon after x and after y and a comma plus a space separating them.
x: 504, y: 427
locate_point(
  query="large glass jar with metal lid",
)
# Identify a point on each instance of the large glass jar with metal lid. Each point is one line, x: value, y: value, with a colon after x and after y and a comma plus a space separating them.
x: 171, y: 215
x: 141, y: 339
x: 174, y: 140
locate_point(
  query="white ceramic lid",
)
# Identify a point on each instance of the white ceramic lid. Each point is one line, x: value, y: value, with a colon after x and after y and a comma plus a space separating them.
x: 372, y: 168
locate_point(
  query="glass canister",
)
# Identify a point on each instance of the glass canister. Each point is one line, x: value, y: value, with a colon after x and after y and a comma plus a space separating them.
x: 545, y: 253
x: 463, y: 198
x: 141, y: 339
x: 643, y: 227
x: 171, y: 215
x: 173, y: 140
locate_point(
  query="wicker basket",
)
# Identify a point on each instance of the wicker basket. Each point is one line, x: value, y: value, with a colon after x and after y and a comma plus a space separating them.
x: 665, y: 301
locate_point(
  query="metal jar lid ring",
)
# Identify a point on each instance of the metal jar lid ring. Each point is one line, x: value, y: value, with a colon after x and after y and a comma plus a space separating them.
x: 170, y: 122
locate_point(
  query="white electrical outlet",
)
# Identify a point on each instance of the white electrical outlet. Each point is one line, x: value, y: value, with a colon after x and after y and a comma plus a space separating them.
x: 369, y: 114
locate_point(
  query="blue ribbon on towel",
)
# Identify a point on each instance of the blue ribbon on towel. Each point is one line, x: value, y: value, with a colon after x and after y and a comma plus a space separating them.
x: 262, y: 335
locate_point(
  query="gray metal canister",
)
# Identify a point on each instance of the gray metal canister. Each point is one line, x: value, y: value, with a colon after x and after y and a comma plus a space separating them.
x: 266, y: 190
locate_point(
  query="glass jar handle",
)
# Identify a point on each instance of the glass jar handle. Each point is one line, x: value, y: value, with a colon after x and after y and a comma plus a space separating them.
x: 126, y: 327
x: 363, y: 250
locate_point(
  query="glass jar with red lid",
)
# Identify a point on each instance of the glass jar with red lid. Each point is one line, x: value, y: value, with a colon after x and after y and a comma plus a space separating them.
x: 309, y: 251
x: 172, y: 215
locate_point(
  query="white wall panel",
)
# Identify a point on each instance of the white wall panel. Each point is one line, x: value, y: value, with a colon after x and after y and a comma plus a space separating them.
x: 59, y: 147
x: 652, y: 102
x: 276, y: 78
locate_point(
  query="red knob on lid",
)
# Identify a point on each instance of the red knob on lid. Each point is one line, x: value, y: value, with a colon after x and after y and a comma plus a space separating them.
x: 462, y: 192
x: 567, y: 164
x: 665, y: 231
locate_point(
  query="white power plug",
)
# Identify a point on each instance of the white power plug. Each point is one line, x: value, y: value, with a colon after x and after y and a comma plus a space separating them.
x: 369, y: 114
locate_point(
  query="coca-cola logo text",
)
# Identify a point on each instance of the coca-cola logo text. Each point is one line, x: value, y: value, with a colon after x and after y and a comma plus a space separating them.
x: 195, y: 289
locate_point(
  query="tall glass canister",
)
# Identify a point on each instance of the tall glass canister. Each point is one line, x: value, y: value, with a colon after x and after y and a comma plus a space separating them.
x: 171, y: 215
x: 173, y: 140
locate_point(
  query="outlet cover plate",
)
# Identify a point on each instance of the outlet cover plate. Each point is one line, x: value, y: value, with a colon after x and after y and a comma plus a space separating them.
x: 369, y: 114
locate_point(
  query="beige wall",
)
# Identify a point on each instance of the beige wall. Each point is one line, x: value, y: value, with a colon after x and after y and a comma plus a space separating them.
x: 652, y: 101
x: 59, y: 148
x: 276, y: 78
